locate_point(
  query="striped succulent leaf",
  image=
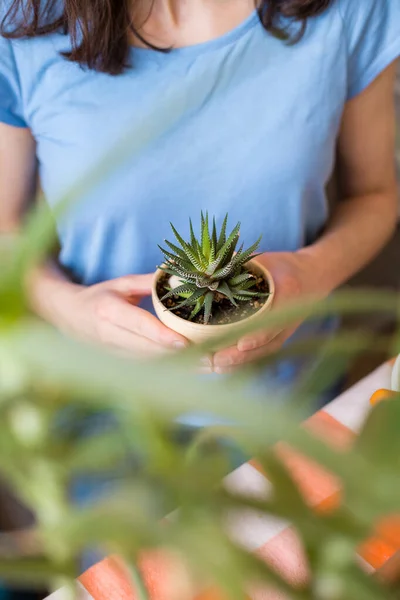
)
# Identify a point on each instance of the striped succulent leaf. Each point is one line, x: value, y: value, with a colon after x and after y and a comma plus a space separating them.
x: 209, y: 267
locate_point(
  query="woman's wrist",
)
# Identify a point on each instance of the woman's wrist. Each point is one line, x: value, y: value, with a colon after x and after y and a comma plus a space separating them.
x: 49, y: 293
x: 323, y: 274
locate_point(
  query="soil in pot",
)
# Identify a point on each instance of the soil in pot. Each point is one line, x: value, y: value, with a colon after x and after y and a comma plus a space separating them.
x: 224, y: 312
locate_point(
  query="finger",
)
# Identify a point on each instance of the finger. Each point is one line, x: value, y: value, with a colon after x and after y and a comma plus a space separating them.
x: 130, y: 343
x: 138, y: 285
x: 256, y: 340
x: 142, y: 323
x: 232, y: 357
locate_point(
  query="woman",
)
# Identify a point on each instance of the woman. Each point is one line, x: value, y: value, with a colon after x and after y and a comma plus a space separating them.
x: 260, y: 121
x: 240, y: 120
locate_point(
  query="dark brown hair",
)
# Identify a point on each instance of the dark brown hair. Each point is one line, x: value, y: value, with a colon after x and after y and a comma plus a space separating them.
x: 99, y: 29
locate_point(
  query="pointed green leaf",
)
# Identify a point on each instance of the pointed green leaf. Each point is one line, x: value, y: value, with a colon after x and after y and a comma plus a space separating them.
x: 205, y: 237
x: 202, y: 281
x: 193, y: 298
x: 181, y: 289
x: 240, y: 297
x: 243, y: 257
x: 249, y: 294
x: 230, y: 242
x: 183, y: 265
x: 196, y: 245
x: 183, y: 262
x: 242, y: 278
x: 226, y: 291
x: 197, y: 308
x: 176, y: 250
x: 239, y: 252
x: 178, y: 237
x: 224, y: 272
x: 214, y: 238
x: 208, y: 302
x: 225, y: 253
x: 188, y: 251
x: 175, y: 270
x: 247, y: 285
x: 222, y: 234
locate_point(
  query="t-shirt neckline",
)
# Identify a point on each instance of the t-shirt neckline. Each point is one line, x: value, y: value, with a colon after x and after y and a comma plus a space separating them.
x: 196, y: 49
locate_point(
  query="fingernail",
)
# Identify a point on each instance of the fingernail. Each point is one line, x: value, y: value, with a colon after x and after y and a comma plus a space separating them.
x: 245, y: 345
x: 179, y: 345
x: 206, y: 361
x: 224, y: 361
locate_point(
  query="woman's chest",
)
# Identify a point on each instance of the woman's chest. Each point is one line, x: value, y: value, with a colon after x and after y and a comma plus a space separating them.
x: 257, y: 113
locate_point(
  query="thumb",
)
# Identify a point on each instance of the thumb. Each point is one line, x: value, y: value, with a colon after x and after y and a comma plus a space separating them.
x: 138, y: 285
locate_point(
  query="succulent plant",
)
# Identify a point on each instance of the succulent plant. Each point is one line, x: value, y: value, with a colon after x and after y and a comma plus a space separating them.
x: 209, y: 268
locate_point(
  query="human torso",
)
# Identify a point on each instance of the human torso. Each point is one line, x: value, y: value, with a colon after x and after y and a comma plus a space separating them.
x: 243, y: 124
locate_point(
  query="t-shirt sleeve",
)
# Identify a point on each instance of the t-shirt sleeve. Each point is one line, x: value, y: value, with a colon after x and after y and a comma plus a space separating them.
x: 372, y: 31
x: 11, y: 111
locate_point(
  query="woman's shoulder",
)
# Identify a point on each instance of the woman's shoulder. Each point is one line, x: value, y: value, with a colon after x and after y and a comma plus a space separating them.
x: 371, y: 31
x: 368, y: 15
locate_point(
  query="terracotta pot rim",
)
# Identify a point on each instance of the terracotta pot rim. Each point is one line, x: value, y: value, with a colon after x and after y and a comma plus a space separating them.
x: 223, y: 326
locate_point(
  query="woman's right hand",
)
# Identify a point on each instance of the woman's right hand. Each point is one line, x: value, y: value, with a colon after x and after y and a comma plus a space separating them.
x: 106, y: 313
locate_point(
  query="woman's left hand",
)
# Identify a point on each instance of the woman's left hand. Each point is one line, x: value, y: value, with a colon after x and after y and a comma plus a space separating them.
x: 295, y: 278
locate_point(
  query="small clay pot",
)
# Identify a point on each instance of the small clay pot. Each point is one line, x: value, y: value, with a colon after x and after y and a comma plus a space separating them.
x: 197, y: 332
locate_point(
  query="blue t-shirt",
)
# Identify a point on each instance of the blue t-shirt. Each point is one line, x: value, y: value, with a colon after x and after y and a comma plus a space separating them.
x: 244, y: 124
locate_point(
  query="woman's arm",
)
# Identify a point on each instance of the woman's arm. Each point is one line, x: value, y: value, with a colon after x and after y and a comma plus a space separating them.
x: 365, y: 219
x: 360, y: 226
x: 103, y: 313
x: 17, y: 176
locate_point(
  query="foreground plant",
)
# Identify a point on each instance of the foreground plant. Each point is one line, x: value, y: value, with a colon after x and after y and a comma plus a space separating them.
x: 44, y: 377
x: 210, y: 268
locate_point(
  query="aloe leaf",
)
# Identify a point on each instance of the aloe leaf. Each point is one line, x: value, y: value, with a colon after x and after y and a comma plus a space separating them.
x: 226, y: 291
x: 208, y: 302
x: 205, y: 237
x: 166, y: 270
x: 183, y: 262
x: 228, y: 249
x: 178, y: 237
x: 181, y: 289
x: 231, y: 241
x: 247, y: 285
x: 174, y: 270
x: 248, y: 294
x: 222, y: 233
x: 214, y: 241
x: 193, y: 298
x: 196, y: 246
x: 240, y: 297
x: 214, y: 285
x: 243, y: 257
x: 226, y: 252
x: 178, y: 251
x: 188, y: 251
x: 224, y: 272
x: 197, y: 308
x: 202, y: 281
x: 242, y: 278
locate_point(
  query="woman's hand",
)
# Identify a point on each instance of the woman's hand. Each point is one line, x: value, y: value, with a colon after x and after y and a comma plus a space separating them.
x: 295, y: 277
x: 105, y: 313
